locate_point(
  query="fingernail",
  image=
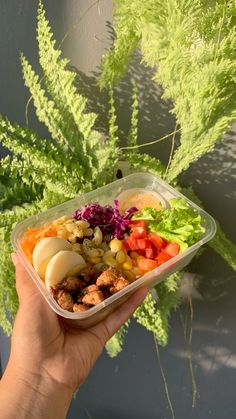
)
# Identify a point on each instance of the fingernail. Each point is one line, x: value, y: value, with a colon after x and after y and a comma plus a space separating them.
x: 14, y: 258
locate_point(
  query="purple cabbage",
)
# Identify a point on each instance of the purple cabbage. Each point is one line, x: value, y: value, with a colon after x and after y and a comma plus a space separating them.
x: 111, y: 222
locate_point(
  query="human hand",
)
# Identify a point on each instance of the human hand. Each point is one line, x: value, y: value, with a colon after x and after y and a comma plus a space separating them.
x: 46, y: 350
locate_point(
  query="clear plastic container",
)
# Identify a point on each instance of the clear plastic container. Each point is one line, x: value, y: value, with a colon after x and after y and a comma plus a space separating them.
x: 106, y: 195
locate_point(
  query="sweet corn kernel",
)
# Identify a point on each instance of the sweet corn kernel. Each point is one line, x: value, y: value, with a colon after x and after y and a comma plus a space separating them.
x: 115, y: 245
x: 121, y: 256
x: 127, y: 265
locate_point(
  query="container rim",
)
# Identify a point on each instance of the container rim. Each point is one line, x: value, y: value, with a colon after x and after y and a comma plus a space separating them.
x: 134, y: 285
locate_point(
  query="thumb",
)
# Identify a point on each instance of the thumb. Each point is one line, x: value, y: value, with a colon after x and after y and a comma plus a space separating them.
x: 25, y: 286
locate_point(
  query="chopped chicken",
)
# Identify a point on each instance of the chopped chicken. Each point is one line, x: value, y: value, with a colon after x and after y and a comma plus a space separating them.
x: 71, y: 284
x: 79, y: 308
x: 65, y: 300
x: 120, y: 283
x: 93, y: 298
x: 108, y: 277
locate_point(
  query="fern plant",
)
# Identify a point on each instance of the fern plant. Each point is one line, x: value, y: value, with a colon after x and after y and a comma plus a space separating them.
x: 40, y: 173
x: 191, y: 47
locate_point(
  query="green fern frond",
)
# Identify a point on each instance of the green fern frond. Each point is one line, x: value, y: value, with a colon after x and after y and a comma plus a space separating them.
x: 153, y: 314
x: 60, y: 84
x: 224, y: 247
x: 46, y: 110
x: 14, y: 192
x: 192, y: 47
x: 114, y: 62
x: 220, y: 243
x: 145, y: 163
x: 115, y: 345
x: 113, y: 128
x: 133, y: 133
x: 8, y: 296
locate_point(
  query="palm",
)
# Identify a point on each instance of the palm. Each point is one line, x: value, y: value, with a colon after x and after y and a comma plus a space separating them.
x: 64, y: 353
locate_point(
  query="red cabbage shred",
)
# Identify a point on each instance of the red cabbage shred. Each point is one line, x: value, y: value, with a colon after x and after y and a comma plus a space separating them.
x: 111, y: 222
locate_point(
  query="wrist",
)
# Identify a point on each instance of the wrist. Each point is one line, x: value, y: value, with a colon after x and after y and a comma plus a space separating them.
x: 27, y: 394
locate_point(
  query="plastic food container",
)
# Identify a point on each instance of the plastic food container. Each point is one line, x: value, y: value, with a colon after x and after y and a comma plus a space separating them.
x: 106, y: 195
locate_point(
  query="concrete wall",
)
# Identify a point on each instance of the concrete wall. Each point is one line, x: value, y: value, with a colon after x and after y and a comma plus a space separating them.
x: 131, y: 385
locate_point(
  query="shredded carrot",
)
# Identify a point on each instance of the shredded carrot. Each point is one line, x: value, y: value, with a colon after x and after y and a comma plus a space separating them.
x: 34, y: 235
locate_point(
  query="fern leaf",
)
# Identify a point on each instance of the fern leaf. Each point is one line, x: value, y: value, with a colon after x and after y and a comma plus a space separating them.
x: 192, y: 46
x: 145, y: 163
x: 220, y: 243
x: 224, y: 247
x: 8, y: 296
x: 154, y: 314
x: 60, y: 84
x: 113, y: 128
x: 115, y: 345
x: 133, y: 133
x: 45, y: 109
x: 115, y: 61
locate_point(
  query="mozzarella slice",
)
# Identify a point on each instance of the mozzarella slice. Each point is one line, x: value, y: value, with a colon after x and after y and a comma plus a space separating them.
x: 62, y: 264
x: 45, y: 249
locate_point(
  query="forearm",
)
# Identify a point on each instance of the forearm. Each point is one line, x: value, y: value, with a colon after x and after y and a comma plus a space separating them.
x: 29, y: 396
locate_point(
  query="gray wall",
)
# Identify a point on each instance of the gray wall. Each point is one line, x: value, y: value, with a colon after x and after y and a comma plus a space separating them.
x: 131, y: 386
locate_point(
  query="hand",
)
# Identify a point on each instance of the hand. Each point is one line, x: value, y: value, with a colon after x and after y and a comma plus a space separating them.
x: 46, y: 350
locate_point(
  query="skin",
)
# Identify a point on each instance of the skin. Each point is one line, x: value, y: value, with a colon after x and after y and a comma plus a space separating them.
x: 49, y: 360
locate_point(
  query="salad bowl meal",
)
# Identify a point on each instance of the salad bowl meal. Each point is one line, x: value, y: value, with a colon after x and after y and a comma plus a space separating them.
x: 89, y: 254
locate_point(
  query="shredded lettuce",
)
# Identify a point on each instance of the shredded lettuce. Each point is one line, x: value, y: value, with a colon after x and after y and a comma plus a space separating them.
x: 180, y: 223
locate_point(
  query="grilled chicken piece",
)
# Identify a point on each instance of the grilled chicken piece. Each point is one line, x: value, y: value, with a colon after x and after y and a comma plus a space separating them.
x: 108, y: 277
x: 93, y: 298
x: 79, y: 308
x: 65, y: 300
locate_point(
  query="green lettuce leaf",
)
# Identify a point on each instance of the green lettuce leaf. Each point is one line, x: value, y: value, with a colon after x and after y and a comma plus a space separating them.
x: 180, y: 223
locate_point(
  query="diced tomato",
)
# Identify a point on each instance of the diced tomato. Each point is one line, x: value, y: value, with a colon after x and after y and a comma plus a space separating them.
x: 143, y: 243
x: 139, y: 232
x: 172, y: 249
x: 162, y: 257
x: 132, y: 242
x: 138, y: 223
x: 126, y: 245
x: 146, y: 265
x: 141, y: 252
x: 149, y: 253
x: 156, y: 240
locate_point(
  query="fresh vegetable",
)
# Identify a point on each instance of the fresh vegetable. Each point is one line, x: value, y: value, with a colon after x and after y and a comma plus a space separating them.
x: 180, y: 223
x: 109, y: 219
x: 101, y: 242
x: 34, y: 235
x: 146, y: 265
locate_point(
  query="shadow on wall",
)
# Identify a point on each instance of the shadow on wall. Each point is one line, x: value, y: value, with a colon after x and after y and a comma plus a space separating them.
x: 218, y: 168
